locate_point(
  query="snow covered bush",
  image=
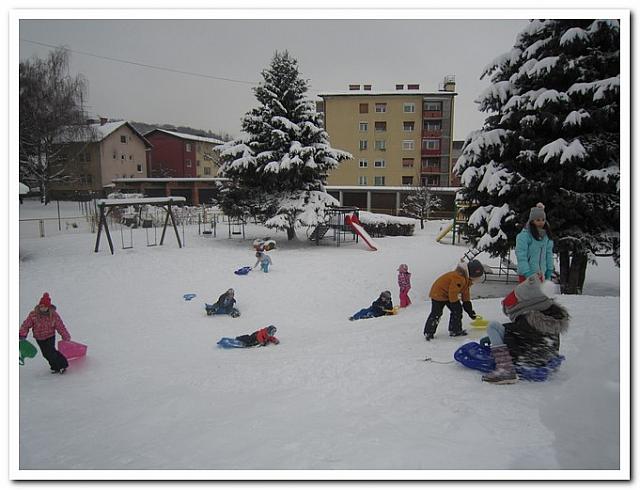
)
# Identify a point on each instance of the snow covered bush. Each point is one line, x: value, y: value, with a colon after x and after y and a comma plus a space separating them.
x: 379, y: 225
x: 552, y: 135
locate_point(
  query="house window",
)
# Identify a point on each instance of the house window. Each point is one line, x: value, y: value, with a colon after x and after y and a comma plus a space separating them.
x: 432, y: 125
x: 207, y: 170
x: 197, y: 163
x: 407, y: 180
x: 364, y: 127
x: 123, y: 139
x: 362, y: 180
x: 408, y: 125
x: 433, y: 180
x: 379, y: 164
x: 409, y: 107
x: 363, y: 144
x: 187, y: 147
x: 130, y: 157
x: 433, y: 106
x: 381, y: 107
x: 139, y: 168
x: 381, y: 145
x: 364, y: 108
x: 364, y: 164
x: 122, y: 157
x: 378, y: 180
x: 431, y: 162
x: 187, y: 162
x: 407, y: 162
x: 408, y: 145
x: 430, y: 144
x: 380, y: 125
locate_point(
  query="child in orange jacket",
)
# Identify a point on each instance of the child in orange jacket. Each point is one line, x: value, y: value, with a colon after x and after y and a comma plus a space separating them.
x: 447, y: 291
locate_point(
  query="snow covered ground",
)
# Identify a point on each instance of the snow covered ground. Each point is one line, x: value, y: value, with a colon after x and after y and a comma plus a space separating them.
x: 155, y: 393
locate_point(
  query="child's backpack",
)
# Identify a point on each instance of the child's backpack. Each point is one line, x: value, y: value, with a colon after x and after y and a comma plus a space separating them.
x: 477, y: 356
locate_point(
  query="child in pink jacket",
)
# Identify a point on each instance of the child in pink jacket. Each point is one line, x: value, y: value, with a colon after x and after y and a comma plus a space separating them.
x: 404, y: 281
x: 45, y: 322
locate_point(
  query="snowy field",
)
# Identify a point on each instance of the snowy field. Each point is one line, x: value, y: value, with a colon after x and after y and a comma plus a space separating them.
x: 155, y: 393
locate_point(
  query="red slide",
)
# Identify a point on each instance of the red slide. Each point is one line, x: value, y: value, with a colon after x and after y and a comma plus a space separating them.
x: 353, y: 221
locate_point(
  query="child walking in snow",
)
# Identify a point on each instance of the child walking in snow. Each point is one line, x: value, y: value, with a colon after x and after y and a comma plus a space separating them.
x: 45, y: 322
x: 534, y: 246
x: 262, y: 337
x: 446, y: 291
x: 404, y: 282
x: 224, y: 305
x: 264, y: 260
x: 380, y: 307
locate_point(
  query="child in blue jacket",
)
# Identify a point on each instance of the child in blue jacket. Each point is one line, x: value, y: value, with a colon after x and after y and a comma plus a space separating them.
x: 534, y: 246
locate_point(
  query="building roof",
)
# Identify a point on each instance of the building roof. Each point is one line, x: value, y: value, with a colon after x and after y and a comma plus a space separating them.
x: 97, y: 132
x: 404, y: 93
x: 189, y: 137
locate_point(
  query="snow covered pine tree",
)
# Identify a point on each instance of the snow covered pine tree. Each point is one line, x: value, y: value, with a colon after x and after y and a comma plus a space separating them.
x: 284, y: 160
x: 553, y: 135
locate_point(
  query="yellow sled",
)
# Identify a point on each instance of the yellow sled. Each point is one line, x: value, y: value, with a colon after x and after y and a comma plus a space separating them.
x: 479, y: 322
x: 392, y: 311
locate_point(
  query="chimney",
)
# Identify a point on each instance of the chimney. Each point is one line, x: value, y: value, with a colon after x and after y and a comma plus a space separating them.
x: 103, y: 121
x: 449, y: 83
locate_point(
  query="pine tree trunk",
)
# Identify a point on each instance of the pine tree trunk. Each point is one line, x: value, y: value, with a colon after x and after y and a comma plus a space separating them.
x: 577, y: 273
x: 565, y: 263
x: 291, y: 233
x: 422, y: 223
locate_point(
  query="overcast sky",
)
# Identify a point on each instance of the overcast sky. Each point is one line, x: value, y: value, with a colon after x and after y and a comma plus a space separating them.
x: 331, y: 54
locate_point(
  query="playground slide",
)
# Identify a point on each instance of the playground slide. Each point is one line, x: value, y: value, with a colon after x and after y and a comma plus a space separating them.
x: 444, y: 232
x: 360, y: 231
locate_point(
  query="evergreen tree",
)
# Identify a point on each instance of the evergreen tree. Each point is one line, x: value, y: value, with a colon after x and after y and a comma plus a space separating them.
x: 552, y: 135
x: 419, y: 204
x: 285, y: 154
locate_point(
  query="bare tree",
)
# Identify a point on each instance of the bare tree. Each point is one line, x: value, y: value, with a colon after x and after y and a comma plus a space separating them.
x: 419, y: 204
x: 52, y: 120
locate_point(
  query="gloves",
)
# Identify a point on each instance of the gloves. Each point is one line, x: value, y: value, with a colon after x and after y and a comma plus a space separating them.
x: 466, y: 305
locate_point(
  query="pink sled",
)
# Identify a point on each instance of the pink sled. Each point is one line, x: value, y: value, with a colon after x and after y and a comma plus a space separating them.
x: 72, y: 350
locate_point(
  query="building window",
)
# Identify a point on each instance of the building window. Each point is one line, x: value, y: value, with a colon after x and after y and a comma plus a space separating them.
x: 122, y: 157
x: 408, y: 145
x: 197, y: 163
x: 130, y: 157
x: 433, y: 180
x: 362, y: 180
x: 378, y: 180
x: 188, y: 163
x: 409, y: 107
x: 364, y: 108
x: 207, y: 170
x: 187, y: 147
x: 114, y: 155
x: 407, y: 162
x: 432, y: 106
x: 363, y: 144
x: 407, y: 180
x: 430, y: 144
x: 408, y: 125
x: 381, y: 145
x: 379, y: 164
x: 381, y: 107
x: 139, y: 168
x: 431, y: 162
x: 364, y: 164
x: 123, y: 139
x: 380, y: 125
x: 432, y: 125
x: 364, y: 127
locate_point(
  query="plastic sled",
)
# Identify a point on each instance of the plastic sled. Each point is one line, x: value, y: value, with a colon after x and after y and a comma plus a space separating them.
x: 243, y: 270
x: 230, y: 343
x: 72, y: 350
x: 27, y: 350
x: 476, y: 356
x: 189, y: 296
x: 479, y: 322
x: 393, y: 311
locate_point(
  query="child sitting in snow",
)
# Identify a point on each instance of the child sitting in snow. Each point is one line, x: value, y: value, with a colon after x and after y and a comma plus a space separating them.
x: 404, y: 282
x: 264, y: 260
x: 260, y: 337
x: 224, y: 305
x: 380, y: 307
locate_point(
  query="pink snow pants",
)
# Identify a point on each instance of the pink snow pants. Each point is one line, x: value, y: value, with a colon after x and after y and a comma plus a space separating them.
x: 404, y: 297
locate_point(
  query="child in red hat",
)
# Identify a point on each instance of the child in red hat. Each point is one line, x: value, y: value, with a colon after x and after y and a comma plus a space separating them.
x: 45, y: 322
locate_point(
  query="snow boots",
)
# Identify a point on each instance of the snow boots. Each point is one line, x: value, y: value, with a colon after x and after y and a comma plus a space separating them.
x: 505, y: 371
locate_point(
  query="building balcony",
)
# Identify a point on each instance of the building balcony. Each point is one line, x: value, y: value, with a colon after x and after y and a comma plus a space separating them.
x: 430, y: 153
x: 432, y: 114
x: 431, y: 133
x: 432, y: 170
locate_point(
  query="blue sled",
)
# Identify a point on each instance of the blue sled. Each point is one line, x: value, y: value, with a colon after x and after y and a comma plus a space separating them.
x: 476, y: 356
x: 243, y: 270
x: 230, y: 343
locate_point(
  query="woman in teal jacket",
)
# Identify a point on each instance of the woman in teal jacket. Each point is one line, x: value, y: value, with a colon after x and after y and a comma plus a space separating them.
x: 534, y: 246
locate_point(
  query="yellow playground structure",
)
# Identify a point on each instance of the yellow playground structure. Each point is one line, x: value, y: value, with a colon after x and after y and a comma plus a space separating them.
x: 458, y: 223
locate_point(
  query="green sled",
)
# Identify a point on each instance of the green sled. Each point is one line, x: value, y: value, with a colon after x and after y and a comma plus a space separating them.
x: 27, y: 350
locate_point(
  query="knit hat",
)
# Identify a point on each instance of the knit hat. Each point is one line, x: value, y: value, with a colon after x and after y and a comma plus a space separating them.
x: 475, y: 268
x: 45, y: 301
x: 403, y: 268
x: 271, y: 330
x: 230, y: 291
x: 385, y: 294
x: 537, y: 212
x: 526, y: 297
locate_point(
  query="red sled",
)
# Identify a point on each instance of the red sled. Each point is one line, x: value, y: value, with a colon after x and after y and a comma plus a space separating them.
x: 72, y: 350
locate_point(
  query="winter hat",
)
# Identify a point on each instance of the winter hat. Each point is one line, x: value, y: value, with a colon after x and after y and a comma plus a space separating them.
x: 526, y: 297
x: 271, y: 330
x: 403, y: 268
x: 45, y: 300
x: 230, y: 291
x: 475, y: 268
x: 537, y: 212
x: 385, y: 294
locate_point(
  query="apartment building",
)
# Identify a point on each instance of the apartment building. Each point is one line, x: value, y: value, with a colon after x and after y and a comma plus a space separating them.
x: 400, y: 137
